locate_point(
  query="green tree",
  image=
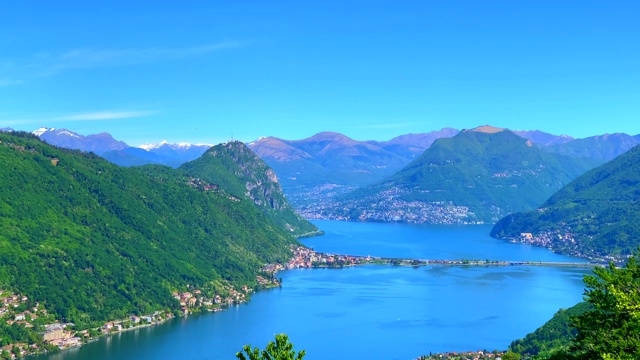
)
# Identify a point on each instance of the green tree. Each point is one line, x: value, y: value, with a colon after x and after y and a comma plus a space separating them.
x: 612, y: 329
x: 281, y: 349
x: 510, y: 355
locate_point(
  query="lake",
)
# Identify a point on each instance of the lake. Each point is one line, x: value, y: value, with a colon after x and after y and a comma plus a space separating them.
x: 373, y: 311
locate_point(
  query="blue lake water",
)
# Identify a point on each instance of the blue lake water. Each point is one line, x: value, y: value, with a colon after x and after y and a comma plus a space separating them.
x: 374, y: 312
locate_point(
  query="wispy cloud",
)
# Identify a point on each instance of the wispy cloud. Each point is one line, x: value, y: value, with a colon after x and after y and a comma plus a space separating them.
x: 89, y: 116
x: 7, y: 82
x: 48, y: 64
x: 93, y: 58
x: 104, y: 115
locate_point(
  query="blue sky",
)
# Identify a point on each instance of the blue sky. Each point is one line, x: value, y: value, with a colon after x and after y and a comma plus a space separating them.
x: 206, y: 71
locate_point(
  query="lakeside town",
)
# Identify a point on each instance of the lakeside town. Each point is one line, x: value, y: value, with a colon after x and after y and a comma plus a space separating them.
x: 40, y: 332
x: 563, y: 241
x: 387, y: 206
x: 467, y: 355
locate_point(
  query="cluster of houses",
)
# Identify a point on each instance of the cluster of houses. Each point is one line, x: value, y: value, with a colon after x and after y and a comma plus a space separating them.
x: 197, y: 299
x: 546, y: 238
x: 54, y: 334
x: 557, y: 239
x: 418, y: 212
x: 308, y: 258
x: 131, y: 322
x: 201, y: 184
x: 20, y: 349
x: 565, y: 241
x: 8, y: 302
x: 465, y: 355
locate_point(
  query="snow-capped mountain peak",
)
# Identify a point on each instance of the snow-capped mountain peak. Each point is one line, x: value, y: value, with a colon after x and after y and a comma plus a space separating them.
x: 58, y: 132
x: 175, y: 146
x: 149, y: 147
x: 41, y: 131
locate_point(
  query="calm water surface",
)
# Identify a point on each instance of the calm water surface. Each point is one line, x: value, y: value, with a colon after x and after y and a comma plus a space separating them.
x: 374, y: 312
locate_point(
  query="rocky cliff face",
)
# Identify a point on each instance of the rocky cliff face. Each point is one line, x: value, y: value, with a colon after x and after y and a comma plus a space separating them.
x: 239, y: 171
x: 261, y: 182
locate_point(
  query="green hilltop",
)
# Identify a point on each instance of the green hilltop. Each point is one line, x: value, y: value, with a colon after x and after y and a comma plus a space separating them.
x: 596, y: 215
x: 488, y: 172
x: 241, y: 173
x: 94, y: 241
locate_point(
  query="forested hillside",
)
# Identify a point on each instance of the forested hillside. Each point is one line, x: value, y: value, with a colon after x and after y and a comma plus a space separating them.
x: 94, y: 241
x: 596, y: 215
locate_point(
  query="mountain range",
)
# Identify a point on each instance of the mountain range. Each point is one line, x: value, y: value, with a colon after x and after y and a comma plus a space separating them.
x: 601, y: 148
x: 317, y: 170
x: 163, y: 153
x: 479, y: 175
x: 98, y: 143
x: 120, y: 153
x: 330, y: 163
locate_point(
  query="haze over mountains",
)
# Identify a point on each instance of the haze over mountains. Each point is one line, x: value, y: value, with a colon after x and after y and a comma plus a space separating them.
x: 120, y: 153
x: 326, y: 165
x: 479, y: 175
x: 329, y: 163
x: 99, y: 143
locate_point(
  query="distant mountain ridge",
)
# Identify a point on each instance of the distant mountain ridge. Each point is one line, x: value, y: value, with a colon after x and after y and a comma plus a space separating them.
x: 163, y: 153
x: 176, y: 146
x: 329, y: 163
x: 602, y: 147
x: 543, y: 138
x: 472, y: 177
x: 98, y: 143
x: 412, y: 145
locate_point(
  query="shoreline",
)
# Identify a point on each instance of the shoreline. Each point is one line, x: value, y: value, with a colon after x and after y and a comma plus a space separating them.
x: 303, y: 257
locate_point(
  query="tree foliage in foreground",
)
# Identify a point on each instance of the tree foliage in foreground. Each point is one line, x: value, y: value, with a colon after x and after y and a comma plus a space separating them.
x: 612, y: 329
x: 606, y: 326
x: 281, y: 349
x: 554, y: 335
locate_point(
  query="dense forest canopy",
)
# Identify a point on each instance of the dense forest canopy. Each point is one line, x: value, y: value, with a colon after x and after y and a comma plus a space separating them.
x: 94, y: 241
